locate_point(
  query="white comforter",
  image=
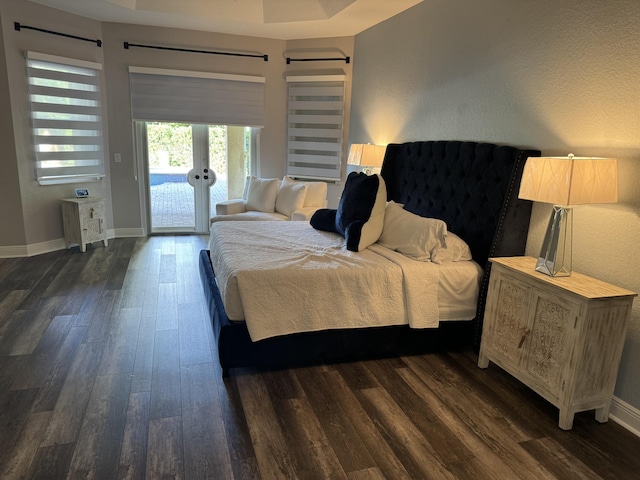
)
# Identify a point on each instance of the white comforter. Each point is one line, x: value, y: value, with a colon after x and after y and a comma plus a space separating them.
x: 292, y: 278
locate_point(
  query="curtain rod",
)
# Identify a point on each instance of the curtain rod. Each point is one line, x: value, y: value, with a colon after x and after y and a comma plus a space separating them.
x: 345, y: 59
x: 19, y: 27
x: 190, y: 50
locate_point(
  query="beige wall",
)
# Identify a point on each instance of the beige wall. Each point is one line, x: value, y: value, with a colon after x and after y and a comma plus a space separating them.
x: 34, y: 223
x: 556, y: 76
x: 11, y: 219
x: 41, y: 211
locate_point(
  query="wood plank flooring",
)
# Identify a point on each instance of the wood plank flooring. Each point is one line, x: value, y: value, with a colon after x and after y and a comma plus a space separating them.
x: 108, y: 370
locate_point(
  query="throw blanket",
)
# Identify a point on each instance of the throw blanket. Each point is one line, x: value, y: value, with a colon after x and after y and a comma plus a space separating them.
x: 291, y: 278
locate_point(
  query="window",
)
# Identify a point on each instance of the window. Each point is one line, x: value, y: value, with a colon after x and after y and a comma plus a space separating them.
x: 316, y: 109
x: 66, y: 119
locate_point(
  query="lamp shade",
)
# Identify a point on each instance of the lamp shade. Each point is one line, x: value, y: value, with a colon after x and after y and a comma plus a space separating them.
x: 566, y: 181
x: 366, y: 155
x: 570, y: 180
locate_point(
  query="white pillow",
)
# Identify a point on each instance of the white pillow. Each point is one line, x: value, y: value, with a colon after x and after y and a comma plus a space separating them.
x: 316, y: 192
x: 411, y: 234
x: 290, y: 197
x: 456, y: 250
x: 261, y: 196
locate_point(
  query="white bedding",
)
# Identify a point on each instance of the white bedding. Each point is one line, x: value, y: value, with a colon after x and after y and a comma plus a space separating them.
x: 286, y: 277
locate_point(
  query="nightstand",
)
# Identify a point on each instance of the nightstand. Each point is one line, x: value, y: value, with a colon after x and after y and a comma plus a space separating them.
x: 84, y: 221
x: 561, y: 336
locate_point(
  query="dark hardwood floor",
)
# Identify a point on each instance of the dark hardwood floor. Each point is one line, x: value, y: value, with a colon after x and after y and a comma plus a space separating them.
x: 108, y: 370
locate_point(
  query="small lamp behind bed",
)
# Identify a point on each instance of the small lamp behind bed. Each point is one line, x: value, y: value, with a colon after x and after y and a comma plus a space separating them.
x: 365, y: 158
x: 566, y: 181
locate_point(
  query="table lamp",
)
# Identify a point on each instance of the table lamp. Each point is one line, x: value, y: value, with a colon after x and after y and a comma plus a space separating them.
x: 365, y: 158
x: 566, y: 181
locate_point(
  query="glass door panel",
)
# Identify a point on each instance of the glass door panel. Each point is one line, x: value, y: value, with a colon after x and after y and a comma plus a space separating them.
x: 230, y: 159
x: 172, y: 199
x: 190, y: 169
x: 218, y: 162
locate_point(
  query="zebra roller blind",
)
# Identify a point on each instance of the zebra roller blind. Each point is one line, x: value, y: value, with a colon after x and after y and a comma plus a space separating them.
x: 66, y: 118
x: 315, y: 119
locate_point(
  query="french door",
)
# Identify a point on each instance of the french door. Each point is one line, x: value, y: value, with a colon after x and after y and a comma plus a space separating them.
x: 188, y: 168
x: 178, y: 177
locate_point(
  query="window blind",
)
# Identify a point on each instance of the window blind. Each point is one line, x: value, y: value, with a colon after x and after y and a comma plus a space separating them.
x: 66, y: 118
x: 315, y: 119
x: 196, y: 97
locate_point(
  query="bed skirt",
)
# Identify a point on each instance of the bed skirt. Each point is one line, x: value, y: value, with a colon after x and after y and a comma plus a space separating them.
x: 235, y: 348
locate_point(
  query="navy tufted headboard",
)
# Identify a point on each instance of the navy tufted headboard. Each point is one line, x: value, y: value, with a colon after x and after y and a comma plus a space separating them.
x: 472, y: 186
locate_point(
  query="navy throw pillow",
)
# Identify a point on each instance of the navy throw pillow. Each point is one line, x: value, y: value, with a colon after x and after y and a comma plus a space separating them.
x: 360, y: 215
x: 324, y: 219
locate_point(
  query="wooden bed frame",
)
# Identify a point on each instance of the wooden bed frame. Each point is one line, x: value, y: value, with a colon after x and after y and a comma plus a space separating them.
x: 472, y: 186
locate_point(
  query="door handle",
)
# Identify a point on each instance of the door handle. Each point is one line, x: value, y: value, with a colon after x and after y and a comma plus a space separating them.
x: 210, y: 177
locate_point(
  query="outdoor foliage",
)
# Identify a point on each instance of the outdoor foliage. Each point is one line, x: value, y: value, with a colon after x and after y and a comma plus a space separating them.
x: 218, y: 148
x: 170, y: 145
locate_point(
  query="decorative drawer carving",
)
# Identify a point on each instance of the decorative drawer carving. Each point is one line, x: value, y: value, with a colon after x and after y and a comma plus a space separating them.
x: 552, y: 325
x: 510, y: 318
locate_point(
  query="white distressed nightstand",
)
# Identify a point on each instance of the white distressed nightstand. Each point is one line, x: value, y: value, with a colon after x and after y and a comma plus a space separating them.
x: 84, y: 221
x: 562, y: 337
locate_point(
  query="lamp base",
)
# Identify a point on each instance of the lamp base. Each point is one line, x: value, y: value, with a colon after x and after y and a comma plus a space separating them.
x: 555, y: 254
x: 362, y: 168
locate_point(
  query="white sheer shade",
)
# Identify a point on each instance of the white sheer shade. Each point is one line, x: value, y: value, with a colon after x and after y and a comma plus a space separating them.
x: 66, y: 118
x: 570, y: 180
x: 315, y: 126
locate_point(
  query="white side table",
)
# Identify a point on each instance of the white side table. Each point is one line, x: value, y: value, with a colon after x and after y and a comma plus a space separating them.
x: 84, y: 221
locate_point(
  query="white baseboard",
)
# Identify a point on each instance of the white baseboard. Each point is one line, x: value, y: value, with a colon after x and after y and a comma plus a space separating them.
x: 13, y: 251
x: 626, y: 415
x: 45, y: 247
x: 30, y: 250
x: 126, y: 233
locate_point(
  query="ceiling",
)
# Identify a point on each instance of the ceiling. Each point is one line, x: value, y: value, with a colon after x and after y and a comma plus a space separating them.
x: 281, y: 19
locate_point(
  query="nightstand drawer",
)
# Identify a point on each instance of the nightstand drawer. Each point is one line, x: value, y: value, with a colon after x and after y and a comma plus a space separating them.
x: 91, y: 211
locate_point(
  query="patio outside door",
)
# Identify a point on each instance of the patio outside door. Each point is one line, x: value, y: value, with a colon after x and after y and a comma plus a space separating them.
x: 180, y: 177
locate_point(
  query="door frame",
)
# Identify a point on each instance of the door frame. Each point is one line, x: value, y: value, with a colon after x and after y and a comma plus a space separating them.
x: 141, y: 173
x: 200, y: 139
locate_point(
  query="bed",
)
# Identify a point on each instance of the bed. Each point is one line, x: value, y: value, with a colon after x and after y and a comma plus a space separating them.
x: 471, y: 186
